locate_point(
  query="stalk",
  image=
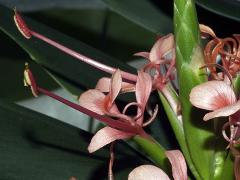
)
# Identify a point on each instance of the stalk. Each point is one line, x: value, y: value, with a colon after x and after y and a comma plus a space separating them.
x: 189, y: 59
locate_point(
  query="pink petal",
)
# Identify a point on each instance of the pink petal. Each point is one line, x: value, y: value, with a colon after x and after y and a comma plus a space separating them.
x: 116, y: 84
x: 143, y: 54
x: 212, y: 95
x: 93, y: 100
x: 179, y: 167
x: 163, y: 45
x: 103, y: 84
x: 223, y: 112
x: 206, y: 30
x: 105, y: 136
x: 143, y: 90
x: 147, y: 172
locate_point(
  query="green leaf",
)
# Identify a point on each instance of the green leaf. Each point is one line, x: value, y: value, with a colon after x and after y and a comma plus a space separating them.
x: 229, y: 9
x: 143, y: 13
x: 63, y: 65
x: 34, y: 146
x: 99, y: 28
x: 23, y: 5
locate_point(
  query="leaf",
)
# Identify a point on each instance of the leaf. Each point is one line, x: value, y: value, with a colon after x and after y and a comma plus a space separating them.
x: 63, y: 65
x: 229, y: 9
x: 23, y: 5
x: 143, y: 13
x: 100, y: 28
x: 34, y: 146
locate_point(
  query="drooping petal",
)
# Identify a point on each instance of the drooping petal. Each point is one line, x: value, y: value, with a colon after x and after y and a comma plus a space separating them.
x: 212, y: 95
x: 143, y: 54
x: 105, y: 136
x: 163, y: 45
x: 179, y: 167
x: 206, y: 30
x: 148, y: 172
x: 93, y: 100
x: 223, y: 112
x: 116, y: 84
x: 143, y: 90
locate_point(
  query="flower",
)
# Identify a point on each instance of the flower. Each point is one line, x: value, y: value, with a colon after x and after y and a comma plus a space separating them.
x: 219, y: 97
x: 150, y: 172
x: 227, y: 48
x: 161, y: 59
x: 103, y: 104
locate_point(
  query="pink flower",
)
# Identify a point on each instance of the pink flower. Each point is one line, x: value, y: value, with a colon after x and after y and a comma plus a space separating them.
x: 150, y: 172
x: 161, y: 59
x: 103, y: 104
x: 218, y: 97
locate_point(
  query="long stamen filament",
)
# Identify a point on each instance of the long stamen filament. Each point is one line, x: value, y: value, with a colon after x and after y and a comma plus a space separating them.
x: 108, y: 121
x: 27, y: 33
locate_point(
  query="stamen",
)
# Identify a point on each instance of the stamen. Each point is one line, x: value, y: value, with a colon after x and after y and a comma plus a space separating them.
x: 151, y: 119
x: 111, y: 161
x: 117, y: 124
x: 220, y: 67
x: 28, y: 33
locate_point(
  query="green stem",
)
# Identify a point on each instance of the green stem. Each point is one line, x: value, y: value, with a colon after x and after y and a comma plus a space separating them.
x: 155, y: 151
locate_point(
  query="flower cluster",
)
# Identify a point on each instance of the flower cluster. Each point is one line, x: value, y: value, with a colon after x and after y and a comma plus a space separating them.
x: 216, y: 95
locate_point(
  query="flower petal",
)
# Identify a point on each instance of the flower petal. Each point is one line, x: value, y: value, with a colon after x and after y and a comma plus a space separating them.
x: 163, y: 45
x: 143, y: 54
x: 143, y: 90
x: 148, y: 172
x: 105, y: 136
x: 212, y: 95
x: 93, y: 100
x: 206, y: 30
x: 116, y: 84
x: 103, y: 84
x: 223, y: 112
x: 179, y: 167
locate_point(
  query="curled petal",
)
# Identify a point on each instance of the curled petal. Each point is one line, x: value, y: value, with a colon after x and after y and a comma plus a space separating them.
x: 179, y: 167
x: 207, y: 30
x: 223, y: 112
x: 212, y: 95
x: 148, y: 172
x: 116, y: 84
x: 105, y: 136
x: 142, y: 54
x: 163, y: 46
x: 150, y: 120
x: 93, y: 100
